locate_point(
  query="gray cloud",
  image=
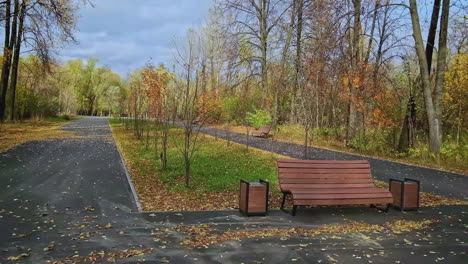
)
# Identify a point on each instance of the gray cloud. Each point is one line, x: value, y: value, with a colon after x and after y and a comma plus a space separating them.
x: 124, y: 34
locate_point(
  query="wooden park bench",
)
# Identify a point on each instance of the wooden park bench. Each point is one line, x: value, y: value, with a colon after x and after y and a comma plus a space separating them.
x: 196, y: 121
x: 261, y: 132
x: 330, y: 182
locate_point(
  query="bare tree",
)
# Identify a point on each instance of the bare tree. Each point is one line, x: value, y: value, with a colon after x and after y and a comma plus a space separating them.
x: 189, y: 59
x: 254, y: 21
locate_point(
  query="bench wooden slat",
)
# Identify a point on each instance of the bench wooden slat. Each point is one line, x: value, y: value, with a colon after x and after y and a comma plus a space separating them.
x: 324, y: 176
x: 348, y: 190
x: 305, y: 196
x: 343, y: 201
x: 324, y: 171
x: 325, y: 166
x: 322, y: 161
x: 290, y: 186
x: 324, y: 181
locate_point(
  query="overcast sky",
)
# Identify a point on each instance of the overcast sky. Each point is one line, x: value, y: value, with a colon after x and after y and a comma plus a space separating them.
x: 125, y: 34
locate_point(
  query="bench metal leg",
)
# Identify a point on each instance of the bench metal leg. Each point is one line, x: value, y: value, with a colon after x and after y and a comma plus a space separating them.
x: 284, y: 201
x: 293, y: 212
x: 380, y: 208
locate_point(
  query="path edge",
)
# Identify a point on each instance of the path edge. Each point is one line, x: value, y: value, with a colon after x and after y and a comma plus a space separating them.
x: 129, y: 179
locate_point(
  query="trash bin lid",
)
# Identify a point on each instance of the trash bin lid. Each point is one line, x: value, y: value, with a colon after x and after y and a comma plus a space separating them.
x: 256, y: 184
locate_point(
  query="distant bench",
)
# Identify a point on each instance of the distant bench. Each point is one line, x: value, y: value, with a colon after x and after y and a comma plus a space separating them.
x: 261, y: 132
x: 330, y: 182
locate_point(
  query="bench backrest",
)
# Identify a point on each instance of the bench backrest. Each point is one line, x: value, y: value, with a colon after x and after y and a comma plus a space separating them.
x: 264, y: 129
x: 324, y: 174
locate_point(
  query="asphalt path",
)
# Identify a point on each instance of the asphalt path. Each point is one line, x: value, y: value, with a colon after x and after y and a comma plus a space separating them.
x: 69, y: 200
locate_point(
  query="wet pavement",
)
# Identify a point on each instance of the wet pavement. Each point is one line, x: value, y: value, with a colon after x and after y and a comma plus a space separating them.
x: 69, y: 200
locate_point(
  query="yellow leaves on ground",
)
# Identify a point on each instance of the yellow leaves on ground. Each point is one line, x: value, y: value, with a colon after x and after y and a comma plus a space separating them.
x: 110, y: 256
x: 19, y: 257
x: 403, y: 225
x: 13, y: 134
x: 430, y: 200
x: 204, y: 235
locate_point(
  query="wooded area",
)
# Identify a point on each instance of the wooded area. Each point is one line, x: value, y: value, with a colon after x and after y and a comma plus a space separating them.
x: 373, y: 76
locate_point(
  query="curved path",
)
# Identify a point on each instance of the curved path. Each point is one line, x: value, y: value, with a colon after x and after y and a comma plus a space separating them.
x: 69, y: 201
x: 434, y: 181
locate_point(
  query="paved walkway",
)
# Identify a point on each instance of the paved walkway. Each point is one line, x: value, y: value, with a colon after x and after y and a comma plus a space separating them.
x: 68, y: 200
x: 434, y: 181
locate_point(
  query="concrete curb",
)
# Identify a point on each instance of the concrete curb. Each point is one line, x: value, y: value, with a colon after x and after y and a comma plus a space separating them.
x: 130, y: 183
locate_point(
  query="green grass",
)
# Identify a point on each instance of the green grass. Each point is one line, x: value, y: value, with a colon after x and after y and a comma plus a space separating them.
x: 216, y: 167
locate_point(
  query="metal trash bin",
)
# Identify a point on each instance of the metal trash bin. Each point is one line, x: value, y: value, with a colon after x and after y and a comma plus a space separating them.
x: 405, y: 194
x: 253, y: 198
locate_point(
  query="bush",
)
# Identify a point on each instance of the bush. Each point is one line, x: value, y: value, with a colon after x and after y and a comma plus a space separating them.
x: 66, y: 117
x: 454, y: 151
x: 323, y: 132
x: 210, y: 108
x: 231, y: 108
x: 360, y: 143
x: 259, y: 118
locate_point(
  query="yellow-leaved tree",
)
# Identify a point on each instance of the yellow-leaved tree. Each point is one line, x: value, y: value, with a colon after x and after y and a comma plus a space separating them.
x: 456, y: 94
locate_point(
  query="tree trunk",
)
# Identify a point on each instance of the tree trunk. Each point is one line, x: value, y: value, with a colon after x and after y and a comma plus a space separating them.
x: 164, y: 143
x: 355, y: 59
x: 432, y: 34
x: 16, y: 57
x: 264, y: 47
x: 297, y: 62
x: 407, y: 132
x: 6, y: 60
x: 440, y: 73
x: 432, y: 101
x: 306, y: 140
x: 187, y: 170
x: 284, y: 55
x: 371, y: 37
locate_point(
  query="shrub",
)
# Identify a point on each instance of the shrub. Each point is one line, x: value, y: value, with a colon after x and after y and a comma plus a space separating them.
x: 360, y: 143
x: 209, y: 107
x: 259, y: 118
x: 454, y: 151
x: 231, y: 108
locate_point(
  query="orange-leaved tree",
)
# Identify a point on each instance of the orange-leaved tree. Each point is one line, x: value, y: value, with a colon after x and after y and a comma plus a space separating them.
x: 156, y: 81
x: 209, y: 107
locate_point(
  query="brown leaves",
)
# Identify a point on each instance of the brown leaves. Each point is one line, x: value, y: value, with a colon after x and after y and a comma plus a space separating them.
x: 429, y: 200
x: 400, y: 226
x: 19, y: 257
x: 50, y: 247
x: 204, y: 235
x: 18, y: 133
x: 107, y: 256
x: 153, y: 193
